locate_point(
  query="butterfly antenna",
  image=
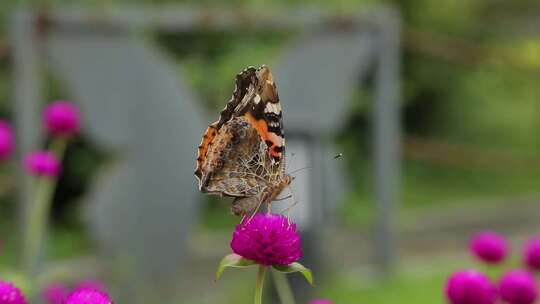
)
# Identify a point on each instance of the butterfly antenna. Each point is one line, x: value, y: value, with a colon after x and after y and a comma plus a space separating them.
x: 282, y: 199
x: 255, y: 211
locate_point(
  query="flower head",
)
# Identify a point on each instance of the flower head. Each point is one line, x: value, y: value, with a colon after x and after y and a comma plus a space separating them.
x: 88, y: 296
x: 470, y: 287
x: 43, y: 163
x: 518, y: 287
x: 489, y: 247
x: 10, y: 294
x: 62, y: 118
x: 268, y: 239
x: 6, y: 140
x: 321, y: 301
x: 55, y: 294
x: 531, y: 253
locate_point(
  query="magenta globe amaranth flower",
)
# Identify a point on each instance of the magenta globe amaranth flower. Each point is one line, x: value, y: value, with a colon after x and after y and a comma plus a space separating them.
x: 55, y: 294
x: 62, y: 118
x: 43, y: 163
x: 88, y: 296
x: 7, y: 140
x: 518, y: 287
x: 470, y: 287
x: 10, y: 294
x: 268, y: 239
x: 489, y: 247
x: 531, y: 254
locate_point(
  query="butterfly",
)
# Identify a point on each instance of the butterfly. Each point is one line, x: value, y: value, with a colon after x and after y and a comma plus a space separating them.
x: 242, y: 155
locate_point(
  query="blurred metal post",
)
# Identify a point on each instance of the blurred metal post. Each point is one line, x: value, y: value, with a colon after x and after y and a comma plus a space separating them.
x: 386, y: 145
x: 26, y: 95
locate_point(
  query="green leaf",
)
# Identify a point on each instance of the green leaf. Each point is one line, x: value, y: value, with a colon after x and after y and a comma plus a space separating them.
x: 296, y: 267
x: 234, y: 261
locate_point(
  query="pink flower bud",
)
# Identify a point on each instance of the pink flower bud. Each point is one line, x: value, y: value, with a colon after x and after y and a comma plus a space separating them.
x: 518, y: 287
x: 7, y: 140
x: 88, y: 296
x: 470, y: 287
x: 62, y: 119
x: 489, y: 247
x: 43, y: 163
x: 55, y: 294
x: 531, y: 253
x: 10, y: 294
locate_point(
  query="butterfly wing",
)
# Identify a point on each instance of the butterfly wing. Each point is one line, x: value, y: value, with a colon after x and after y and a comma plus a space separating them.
x: 242, y: 154
x: 265, y: 114
x: 243, y: 81
x: 236, y: 161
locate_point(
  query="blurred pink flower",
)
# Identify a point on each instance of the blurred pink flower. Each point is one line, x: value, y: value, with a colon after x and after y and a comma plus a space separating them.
x: 43, y: 163
x: 489, y: 247
x: 268, y: 239
x: 7, y: 140
x: 55, y: 293
x: 470, y: 287
x: 10, y: 294
x: 531, y: 254
x: 518, y: 287
x: 62, y: 118
x: 88, y: 296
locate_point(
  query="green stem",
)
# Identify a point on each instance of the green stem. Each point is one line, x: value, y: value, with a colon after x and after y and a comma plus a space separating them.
x: 260, y: 284
x: 38, y: 213
x: 58, y: 146
x: 283, y: 288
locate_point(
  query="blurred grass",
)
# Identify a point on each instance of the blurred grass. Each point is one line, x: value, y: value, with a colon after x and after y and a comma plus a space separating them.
x: 404, y: 288
x: 433, y: 185
x: 420, y: 282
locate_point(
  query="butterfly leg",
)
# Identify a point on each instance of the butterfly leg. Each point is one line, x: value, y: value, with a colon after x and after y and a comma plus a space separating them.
x: 256, y: 210
x: 295, y: 202
x: 284, y: 198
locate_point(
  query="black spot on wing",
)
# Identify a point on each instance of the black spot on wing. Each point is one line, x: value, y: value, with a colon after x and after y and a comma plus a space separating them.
x: 275, y: 123
x: 278, y: 149
x: 257, y: 110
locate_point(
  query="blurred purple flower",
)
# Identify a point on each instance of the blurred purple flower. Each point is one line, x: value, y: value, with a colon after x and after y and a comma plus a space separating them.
x: 470, y: 287
x: 321, y: 301
x: 88, y: 296
x: 10, y: 294
x: 43, y: 163
x: 518, y: 287
x: 62, y: 118
x: 55, y: 293
x: 489, y: 247
x: 531, y: 253
x: 7, y: 140
x: 268, y: 239
x: 92, y: 284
